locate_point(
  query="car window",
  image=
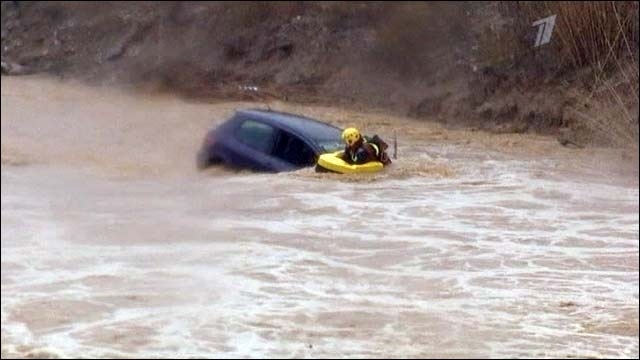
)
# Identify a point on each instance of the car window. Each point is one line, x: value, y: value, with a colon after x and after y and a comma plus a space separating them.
x: 258, y: 135
x: 293, y: 150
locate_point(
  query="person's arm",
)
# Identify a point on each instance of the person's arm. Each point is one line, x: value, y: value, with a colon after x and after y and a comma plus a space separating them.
x: 345, y: 155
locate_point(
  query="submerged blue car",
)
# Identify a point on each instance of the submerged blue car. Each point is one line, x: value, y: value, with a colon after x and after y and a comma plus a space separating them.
x: 268, y: 141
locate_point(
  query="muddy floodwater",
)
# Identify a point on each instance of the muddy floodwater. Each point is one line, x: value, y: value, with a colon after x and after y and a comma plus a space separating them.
x: 469, y: 245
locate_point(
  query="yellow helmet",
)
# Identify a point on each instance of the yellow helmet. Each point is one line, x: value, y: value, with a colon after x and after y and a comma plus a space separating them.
x: 350, y: 136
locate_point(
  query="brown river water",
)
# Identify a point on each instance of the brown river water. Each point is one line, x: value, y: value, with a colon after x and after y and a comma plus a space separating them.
x: 469, y: 245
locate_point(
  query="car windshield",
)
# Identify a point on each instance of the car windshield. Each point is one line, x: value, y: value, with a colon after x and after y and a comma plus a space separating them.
x: 330, y: 145
x: 328, y: 137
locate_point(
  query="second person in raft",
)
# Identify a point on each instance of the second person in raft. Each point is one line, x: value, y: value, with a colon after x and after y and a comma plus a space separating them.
x: 361, y: 149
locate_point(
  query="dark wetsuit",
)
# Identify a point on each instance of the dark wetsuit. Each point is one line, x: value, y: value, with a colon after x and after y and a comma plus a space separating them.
x: 361, y: 153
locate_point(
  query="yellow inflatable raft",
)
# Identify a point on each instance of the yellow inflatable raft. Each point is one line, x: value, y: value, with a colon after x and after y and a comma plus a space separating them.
x: 333, y: 162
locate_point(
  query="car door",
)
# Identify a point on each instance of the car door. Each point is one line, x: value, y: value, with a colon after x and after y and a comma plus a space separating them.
x: 256, y: 141
x: 293, y: 150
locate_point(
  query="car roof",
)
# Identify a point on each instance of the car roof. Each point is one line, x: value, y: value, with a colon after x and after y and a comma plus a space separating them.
x: 297, y: 123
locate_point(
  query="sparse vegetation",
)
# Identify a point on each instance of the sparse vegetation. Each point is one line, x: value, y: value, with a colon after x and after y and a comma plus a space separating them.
x: 594, y: 49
